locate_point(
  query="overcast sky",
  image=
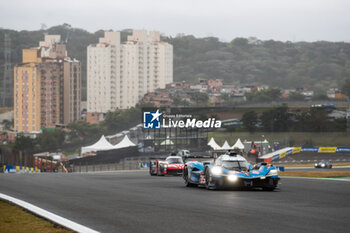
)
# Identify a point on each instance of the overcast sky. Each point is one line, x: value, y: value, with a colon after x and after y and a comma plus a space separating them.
x: 294, y: 20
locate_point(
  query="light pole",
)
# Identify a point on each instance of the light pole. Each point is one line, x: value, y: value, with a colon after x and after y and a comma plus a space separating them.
x: 261, y: 144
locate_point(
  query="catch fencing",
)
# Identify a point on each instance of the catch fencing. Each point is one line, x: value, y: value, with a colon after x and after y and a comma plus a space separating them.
x: 10, y: 157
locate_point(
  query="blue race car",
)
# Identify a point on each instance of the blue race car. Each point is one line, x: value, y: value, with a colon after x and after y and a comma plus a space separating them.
x: 230, y: 170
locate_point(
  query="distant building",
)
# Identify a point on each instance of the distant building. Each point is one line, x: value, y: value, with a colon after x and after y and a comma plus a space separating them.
x: 95, y: 117
x: 159, y: 98
x: 47, y: 87
x: 335, y: 93
x: 177, y: 85
x: 119, y: 75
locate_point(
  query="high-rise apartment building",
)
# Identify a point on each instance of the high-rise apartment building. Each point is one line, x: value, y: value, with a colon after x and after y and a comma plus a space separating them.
x: 70, y: 91
x: 120, y: 74
x: 47, y: 87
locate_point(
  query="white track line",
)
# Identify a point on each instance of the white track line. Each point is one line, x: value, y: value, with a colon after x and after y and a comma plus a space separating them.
x: 48, y: 215
x: 315, y: 178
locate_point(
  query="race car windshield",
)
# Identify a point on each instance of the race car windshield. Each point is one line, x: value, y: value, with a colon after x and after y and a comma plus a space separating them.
x: 174, y: 160
x: 235, y: 165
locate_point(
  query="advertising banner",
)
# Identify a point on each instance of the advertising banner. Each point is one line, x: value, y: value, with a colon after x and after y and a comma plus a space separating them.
x: 309, y: 149
x: 327, y: 149
x: 296, y: 150
x: 10, y: 169
x: 289, y: 152
x: 283, y: 154
x: 144, y: 165
x: 275, y: 157
x: 343, y: 149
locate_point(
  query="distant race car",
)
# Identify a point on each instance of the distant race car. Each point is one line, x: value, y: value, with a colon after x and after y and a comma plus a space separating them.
x: 183, y: 153
x: 323, y: 164
x: 172, y: 165
x: 230, y: 170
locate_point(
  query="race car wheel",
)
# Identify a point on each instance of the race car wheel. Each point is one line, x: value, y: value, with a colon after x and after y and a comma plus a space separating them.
x: 150, y: 172
x: 159, y: 171
x: 185, y: 176
x: 208, y: 185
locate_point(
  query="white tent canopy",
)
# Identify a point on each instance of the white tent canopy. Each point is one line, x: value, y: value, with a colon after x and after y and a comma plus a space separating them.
x: 167, y: 142
x: 238, y: 144
x: 213, y: 144
x: 100, y: 145
x: 124, y: 143
x: 226, y: 146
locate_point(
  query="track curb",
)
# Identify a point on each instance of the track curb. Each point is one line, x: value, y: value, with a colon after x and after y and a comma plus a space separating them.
x: 66, y: 223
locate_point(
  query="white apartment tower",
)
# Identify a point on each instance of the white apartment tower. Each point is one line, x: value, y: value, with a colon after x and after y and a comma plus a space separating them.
x: 118, y: 75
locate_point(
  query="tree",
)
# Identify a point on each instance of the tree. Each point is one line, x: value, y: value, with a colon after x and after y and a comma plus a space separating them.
x: 266, y: 95
x: 200, y: 99
x: 24, y: 143
x: 319, y: 120
x: 276, y: 119
x: 240, y: 42
x: 346, y: 87
x: 295, y: 96
x: 320, y: 96
x: 250, y: 119
x: 52, y: 139
x: 177, y: 101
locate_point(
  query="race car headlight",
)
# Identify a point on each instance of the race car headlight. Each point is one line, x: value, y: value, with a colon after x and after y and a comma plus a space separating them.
x: 315, y: 164
x: 232, y: 178
x: 216, y: 170
x: 322, y: 165
x: 273, y: 172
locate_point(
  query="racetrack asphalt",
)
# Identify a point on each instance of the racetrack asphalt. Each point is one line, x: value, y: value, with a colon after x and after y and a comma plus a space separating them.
x: 136, y: 202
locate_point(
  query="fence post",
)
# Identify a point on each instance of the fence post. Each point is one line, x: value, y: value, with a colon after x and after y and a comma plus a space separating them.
x: 80, y: 167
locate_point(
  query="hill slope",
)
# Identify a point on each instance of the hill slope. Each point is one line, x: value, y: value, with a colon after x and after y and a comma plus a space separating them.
x: 318, y: 65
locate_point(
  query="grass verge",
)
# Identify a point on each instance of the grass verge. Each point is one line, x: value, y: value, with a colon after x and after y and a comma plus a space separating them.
x: 323, y: 174
x: 14, y: 219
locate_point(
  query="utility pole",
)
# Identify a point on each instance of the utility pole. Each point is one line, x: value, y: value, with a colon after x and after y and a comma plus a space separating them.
x: 7, y: 87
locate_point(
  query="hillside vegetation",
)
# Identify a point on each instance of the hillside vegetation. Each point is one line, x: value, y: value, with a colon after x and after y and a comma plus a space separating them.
x: 317, y: 66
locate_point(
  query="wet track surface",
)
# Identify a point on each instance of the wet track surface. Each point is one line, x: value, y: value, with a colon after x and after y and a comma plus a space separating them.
x: 137, y: 202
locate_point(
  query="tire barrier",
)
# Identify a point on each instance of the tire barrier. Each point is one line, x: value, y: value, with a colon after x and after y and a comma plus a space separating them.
x: 19, y: 169
x: 280, y: 154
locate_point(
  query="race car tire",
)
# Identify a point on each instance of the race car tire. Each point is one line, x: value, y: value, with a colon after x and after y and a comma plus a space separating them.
x: 159, y: 172
x: 150, y: 171
x: 185, y: 176
x: 207, y: 180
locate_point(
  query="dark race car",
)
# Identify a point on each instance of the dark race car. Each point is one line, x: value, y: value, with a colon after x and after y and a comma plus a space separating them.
x: 172, y: 165
x: 323, y: 164
x: 230, y: 170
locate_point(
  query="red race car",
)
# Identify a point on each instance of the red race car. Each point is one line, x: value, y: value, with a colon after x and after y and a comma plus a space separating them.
x: 172, y: 165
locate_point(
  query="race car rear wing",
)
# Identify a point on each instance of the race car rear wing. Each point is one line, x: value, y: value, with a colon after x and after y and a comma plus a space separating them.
x: 186, y: 158
x: 154, y: 159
